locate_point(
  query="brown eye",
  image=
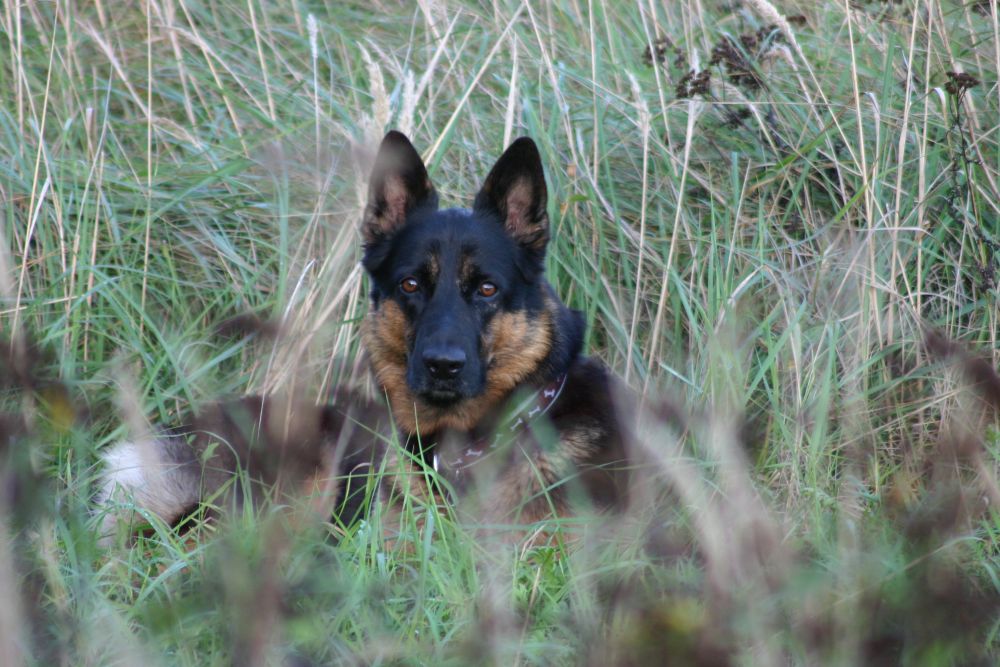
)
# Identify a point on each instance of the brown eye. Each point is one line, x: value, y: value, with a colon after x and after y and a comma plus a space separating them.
x: 487, y: 289
x: 409, y: 285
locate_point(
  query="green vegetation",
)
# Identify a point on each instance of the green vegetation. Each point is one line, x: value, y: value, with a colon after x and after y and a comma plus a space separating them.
x: 763, y: 210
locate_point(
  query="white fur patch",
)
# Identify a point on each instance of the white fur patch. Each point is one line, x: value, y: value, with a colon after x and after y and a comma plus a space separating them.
x: 137, y: 477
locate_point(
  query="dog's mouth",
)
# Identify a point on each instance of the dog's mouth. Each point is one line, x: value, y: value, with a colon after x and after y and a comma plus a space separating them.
x: 443, y: 393
x: 442, y: 397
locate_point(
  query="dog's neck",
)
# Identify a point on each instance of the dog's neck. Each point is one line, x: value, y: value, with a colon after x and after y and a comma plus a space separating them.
x: 453, y: 451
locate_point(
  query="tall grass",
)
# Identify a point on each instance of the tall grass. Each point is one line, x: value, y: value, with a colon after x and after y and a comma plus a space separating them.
x: 781, y: 220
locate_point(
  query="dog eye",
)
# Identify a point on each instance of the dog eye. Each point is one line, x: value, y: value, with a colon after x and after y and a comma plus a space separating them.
x: 487, y: 289
x: 409, y: 285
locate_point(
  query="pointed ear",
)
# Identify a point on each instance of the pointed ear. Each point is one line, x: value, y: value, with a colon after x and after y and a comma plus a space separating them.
x: 399, y: 184
x: 515, y: 191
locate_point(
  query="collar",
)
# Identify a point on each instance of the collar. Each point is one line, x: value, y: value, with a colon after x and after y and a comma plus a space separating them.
x: 519, y: 420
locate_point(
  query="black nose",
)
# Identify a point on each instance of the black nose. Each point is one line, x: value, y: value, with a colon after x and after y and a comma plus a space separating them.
x: 444, y: 363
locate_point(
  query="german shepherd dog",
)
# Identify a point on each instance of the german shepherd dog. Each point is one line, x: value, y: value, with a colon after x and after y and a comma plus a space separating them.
x: 479, y: 362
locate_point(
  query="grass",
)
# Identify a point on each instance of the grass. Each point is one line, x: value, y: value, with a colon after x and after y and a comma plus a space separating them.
x: 761, y: 246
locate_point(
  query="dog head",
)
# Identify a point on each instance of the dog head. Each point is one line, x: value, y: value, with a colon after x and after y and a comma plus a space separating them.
x: 460, y: 311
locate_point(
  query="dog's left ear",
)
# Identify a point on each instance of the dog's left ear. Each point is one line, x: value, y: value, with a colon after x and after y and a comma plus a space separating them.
x: 515, y: 191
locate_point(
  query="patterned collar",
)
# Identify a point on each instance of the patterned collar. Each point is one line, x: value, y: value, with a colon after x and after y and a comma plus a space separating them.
x: 529, y: 410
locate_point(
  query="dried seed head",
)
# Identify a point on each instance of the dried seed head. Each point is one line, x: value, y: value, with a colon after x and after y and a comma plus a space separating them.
x: 959, y: 82
x: 693, y: 83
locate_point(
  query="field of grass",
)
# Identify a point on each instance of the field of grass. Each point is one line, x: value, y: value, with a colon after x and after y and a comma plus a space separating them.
x: 781, y: 220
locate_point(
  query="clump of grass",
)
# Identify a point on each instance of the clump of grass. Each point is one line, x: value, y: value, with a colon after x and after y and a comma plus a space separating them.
x: 762, y: 210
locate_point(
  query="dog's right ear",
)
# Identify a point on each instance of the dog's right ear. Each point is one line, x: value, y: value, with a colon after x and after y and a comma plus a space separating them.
x: 399, y: 184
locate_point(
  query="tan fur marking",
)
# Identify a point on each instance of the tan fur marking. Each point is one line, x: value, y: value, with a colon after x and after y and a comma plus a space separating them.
x: 580, y: 442
x: 466, y: 269
x: 433, y: 267
x: 385, y: 332
x: 516, y: 345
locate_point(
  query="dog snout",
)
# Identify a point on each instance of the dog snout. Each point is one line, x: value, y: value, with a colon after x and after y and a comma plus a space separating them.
x: 445, y: 362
